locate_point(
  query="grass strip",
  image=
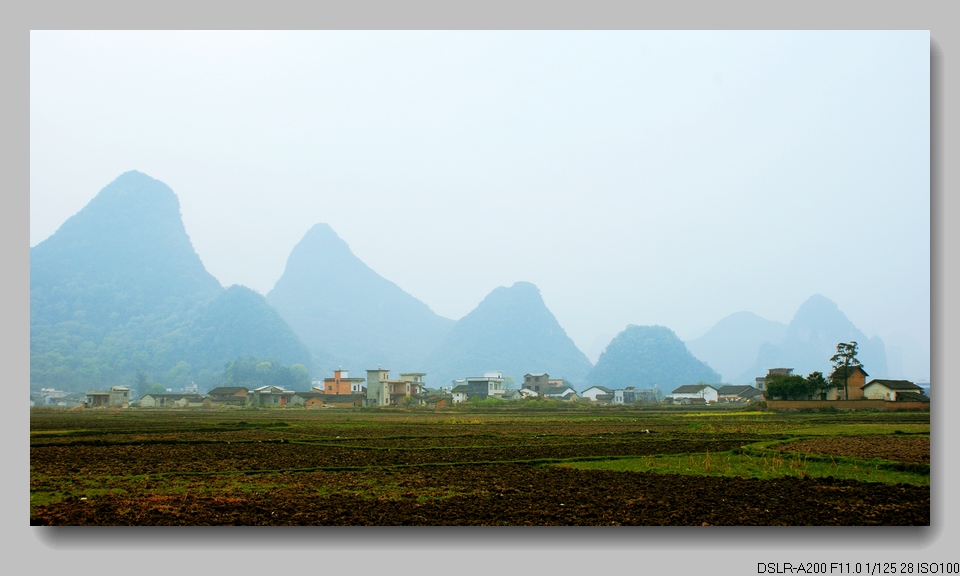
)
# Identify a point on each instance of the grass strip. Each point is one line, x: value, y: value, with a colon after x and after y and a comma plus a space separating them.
x: 767, y: 465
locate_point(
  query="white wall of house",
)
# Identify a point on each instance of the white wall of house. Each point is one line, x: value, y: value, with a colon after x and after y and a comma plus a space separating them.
x: 593, y: 391
x: 876, y: 391
x: 708, y: 393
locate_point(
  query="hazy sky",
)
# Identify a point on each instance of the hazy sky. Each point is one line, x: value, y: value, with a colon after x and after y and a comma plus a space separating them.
x: 667, y: 178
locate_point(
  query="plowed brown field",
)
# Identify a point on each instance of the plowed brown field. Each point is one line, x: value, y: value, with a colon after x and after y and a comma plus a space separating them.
x: 899, y: 448
x: 191, y: 470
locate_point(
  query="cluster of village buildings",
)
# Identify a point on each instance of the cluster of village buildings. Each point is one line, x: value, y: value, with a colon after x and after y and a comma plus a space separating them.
x: 378, y: 389
x: 855, y: 387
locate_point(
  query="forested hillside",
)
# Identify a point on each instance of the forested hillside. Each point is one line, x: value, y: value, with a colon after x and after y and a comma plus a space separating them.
x: 119, y: 289
x: 648, y: 357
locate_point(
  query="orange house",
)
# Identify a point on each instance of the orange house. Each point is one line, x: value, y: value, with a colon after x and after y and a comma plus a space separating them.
x: 850, y: 381
x: 341, y: 383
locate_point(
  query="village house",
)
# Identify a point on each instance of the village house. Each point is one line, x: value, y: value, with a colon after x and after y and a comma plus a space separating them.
x: 738, y: 393
x: 115, y: 397
x: 630, y: 395
x: 40, y: 399
x: 565, y: 393
x: 849, y: 383
x: 228, y: 396
x: 383, y: 391
x: 343, y: 400
x: 761, y: 382
x: 459, y: 391
x: 341, y: 383
x: 540, y: 382
x: 270, y: 396
x: 171, y: 400
x: 599, y: 394
x: 51, y: 397
x: 59, y: 398
x: 893, y: 391
x: 313, y: 399
x: 691, y: 392
x: 317, y: 399
x: 434, y: 399
x: 486, y: 386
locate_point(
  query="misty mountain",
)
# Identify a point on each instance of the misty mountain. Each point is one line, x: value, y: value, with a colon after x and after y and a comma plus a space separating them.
x: 732, y: 345
x: 125, y: 254
x: 906, y: 358
x: 511, y: 331
x: 119, y: 288
x: 347, y: 314
x: 811, y: 339
x: 240, y: 323
x: 649, y: 357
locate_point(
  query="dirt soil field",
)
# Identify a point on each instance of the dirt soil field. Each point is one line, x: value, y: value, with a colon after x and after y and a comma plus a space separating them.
x: 899, y: 448
x: 356, y: 469
x: 514, y: 495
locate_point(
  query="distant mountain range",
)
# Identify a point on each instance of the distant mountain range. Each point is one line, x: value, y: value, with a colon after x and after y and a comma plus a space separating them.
x: 732, y: 345
x: 119, y: 289
x: 744, y: 346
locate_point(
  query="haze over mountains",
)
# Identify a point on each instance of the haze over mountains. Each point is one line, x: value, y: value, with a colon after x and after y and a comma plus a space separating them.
x: 743, y: 346
x: 349, y: 315
x: 119, y: 289
x: 731, y: 346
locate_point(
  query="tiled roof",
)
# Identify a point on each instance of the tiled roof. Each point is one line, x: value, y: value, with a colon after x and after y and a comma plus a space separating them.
x: 734, y: 389
x: 911, y: 397
x: 842, y: 372
x: 895, y: 384
x: 603, y: 389
x: 225, y: 390
x: 691, y: 388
